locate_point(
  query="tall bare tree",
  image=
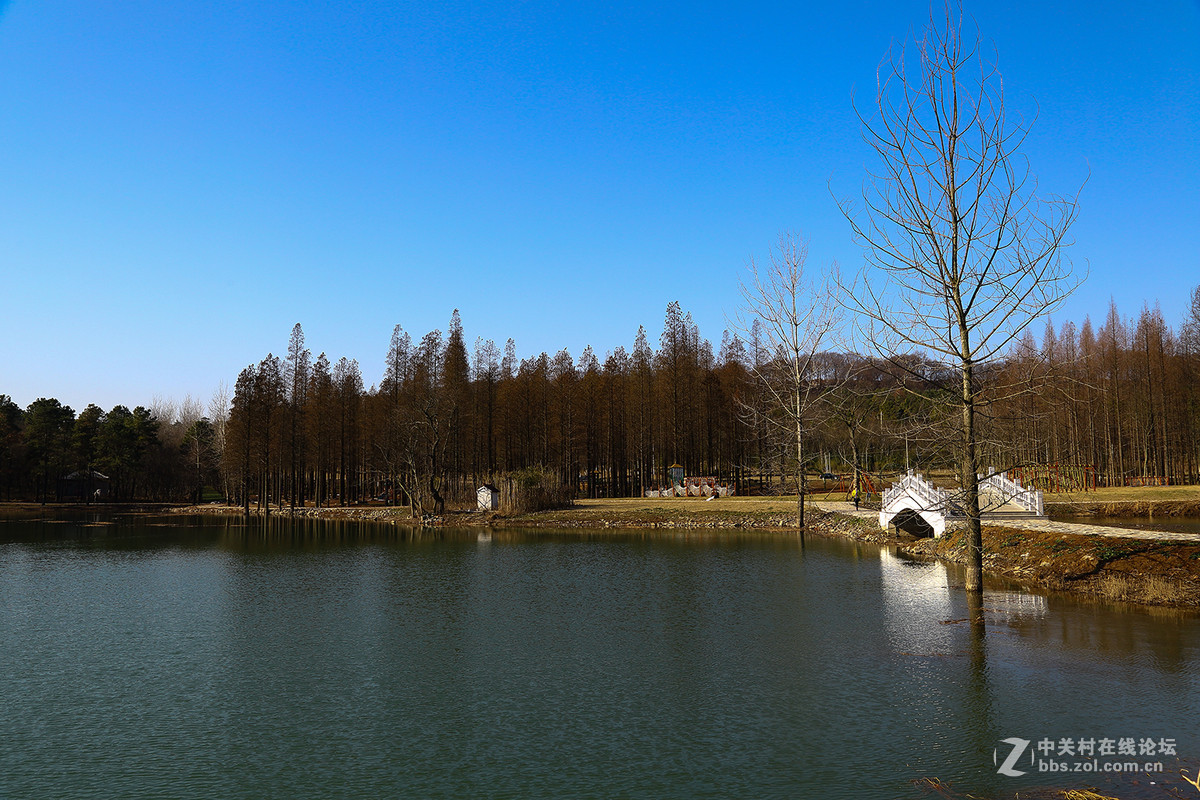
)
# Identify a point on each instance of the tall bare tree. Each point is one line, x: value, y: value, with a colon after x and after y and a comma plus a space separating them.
x: 798, y: 319
x: 299, y: 360
x: 1190, y: 332
x: 961, y: 252
x: 218, y: 414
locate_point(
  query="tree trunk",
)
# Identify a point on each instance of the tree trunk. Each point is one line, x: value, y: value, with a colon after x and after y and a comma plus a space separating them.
x: 970, y: 486
x: 854, y: 460
x: 799, y: 467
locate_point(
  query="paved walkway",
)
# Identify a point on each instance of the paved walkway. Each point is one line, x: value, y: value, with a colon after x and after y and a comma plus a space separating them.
x: 1102, y: 530
x: 843, y: 507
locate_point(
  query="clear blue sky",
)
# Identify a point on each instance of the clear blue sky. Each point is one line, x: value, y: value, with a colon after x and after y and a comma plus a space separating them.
x: 181, y: 182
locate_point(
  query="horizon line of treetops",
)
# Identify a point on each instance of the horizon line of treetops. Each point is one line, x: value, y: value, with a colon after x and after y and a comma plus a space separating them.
x: 1106, y: 406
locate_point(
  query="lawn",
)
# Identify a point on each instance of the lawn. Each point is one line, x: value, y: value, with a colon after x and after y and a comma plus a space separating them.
x: 817, y: 493
x: 1118, y: 494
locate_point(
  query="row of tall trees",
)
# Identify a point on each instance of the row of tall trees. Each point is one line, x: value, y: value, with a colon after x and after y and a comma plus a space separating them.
x: 1120, y: 402
x: 445, y: 418
x: 1114, y: 404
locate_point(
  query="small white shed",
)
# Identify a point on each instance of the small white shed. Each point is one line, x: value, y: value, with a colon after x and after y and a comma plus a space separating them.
x: 489, y: 498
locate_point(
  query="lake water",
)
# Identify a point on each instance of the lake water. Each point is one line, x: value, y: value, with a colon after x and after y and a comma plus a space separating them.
x: 148, y: 658
x: 1173, y: 524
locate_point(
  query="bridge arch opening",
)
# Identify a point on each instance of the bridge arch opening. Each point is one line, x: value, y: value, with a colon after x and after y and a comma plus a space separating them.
x: 912, y: 523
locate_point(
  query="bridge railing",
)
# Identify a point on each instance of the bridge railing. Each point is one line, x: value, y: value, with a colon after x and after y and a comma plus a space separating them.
x: 1029, y: 499
x: 914, y: 485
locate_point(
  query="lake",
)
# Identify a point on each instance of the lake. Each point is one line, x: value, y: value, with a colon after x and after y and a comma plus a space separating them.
x: 1172, y: 524
x: 187, y: 657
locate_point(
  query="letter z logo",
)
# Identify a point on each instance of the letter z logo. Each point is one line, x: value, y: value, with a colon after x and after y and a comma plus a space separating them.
x: 1018, y: 749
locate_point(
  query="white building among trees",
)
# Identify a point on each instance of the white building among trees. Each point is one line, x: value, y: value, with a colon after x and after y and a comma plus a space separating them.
x: 488, y: 498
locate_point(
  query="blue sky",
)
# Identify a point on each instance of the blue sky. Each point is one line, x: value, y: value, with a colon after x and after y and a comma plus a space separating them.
x: 182, y: 182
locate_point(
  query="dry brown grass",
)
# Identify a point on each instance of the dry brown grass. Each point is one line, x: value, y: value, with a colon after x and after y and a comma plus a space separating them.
x: 1115, y: 586
x: 942, y: 789
x: 1154, y: 589
x: 1157, y: 589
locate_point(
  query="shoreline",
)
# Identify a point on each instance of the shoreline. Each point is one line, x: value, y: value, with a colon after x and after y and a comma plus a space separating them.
x: 671, y: 512
x: 1149, y: 572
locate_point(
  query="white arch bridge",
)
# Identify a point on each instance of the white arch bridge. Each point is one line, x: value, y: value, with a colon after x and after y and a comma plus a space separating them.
x: 916, y: 505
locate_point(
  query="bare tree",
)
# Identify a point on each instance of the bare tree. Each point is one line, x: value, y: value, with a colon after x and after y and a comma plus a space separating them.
x: 961, y: 252
x: 191, y: 411
x: 296, y: 369
x: 1191, y: 325
x: 798, y: 319
x: 218, y: 414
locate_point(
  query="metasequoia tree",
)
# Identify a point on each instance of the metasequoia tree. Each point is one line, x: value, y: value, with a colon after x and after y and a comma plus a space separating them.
x: 641, y: 393
x: 486, y: 373
x: 1190, y: 333
x: 239, y: 431
x: 348, y: 392
x: 797, y: 320
x: 299, y: 360
x: 268, y: 399
x: 1190, y: 350
x: 961, y: 252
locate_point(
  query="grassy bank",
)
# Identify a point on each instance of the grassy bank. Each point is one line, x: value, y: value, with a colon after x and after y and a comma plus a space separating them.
x: 1162, y: 573
x: 1127, y: 501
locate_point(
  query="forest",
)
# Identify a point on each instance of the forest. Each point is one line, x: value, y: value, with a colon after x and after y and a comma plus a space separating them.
x: 1087, y: 405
